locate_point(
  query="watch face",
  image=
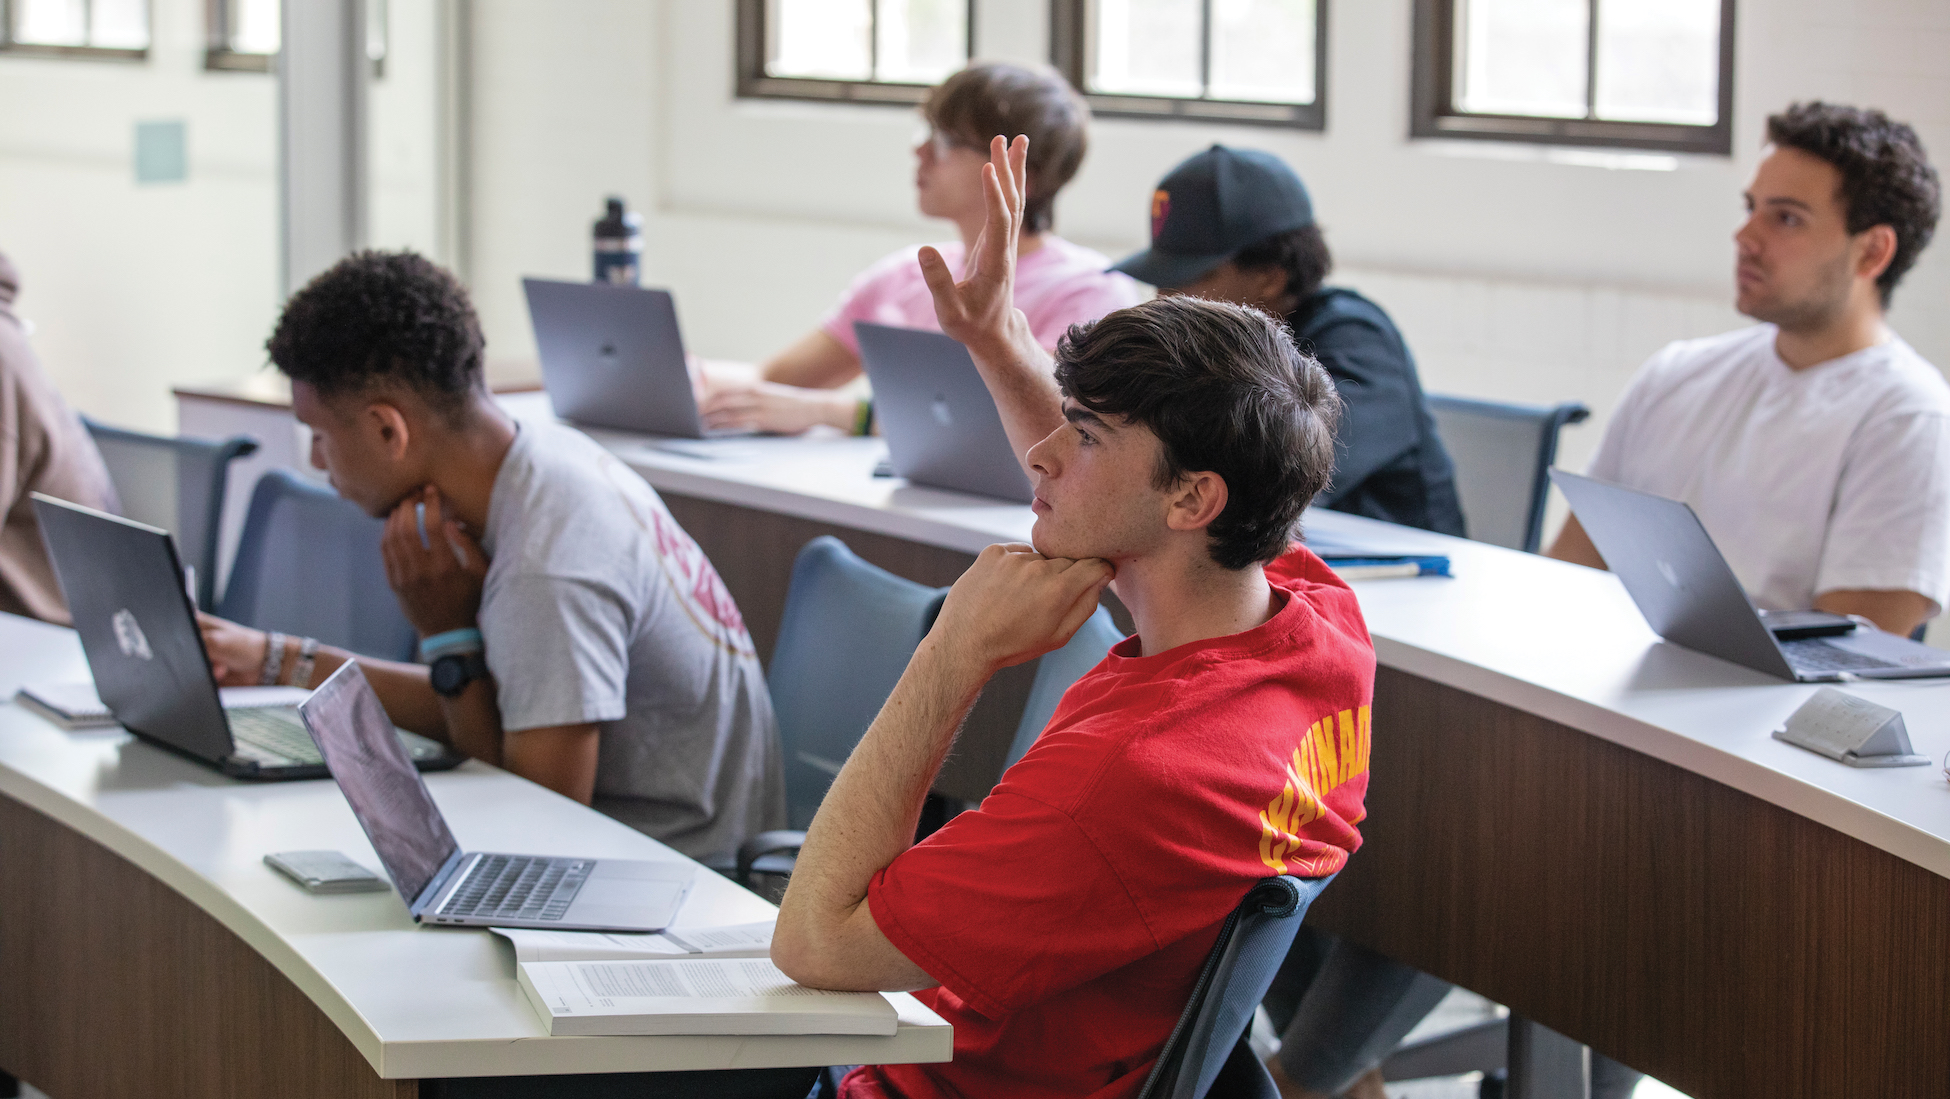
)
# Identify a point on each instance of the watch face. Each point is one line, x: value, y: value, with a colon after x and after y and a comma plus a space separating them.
x: 449, y: 674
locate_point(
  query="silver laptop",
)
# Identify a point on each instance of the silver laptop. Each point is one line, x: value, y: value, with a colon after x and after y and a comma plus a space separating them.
x: 612, y: 357
x: 443, y: 884
x: 937, y: 415
x: 1690, y: 597
x: 125, y: 591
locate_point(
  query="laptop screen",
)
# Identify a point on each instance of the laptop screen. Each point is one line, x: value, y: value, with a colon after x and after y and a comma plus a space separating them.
x: 388, y: 796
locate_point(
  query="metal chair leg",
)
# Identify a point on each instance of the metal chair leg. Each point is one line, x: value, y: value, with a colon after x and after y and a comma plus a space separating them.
x: 1545, y: 1064
x: 1479, y: 1048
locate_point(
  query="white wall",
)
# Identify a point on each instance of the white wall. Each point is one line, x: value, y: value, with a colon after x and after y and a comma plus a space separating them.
x: 135, y: 288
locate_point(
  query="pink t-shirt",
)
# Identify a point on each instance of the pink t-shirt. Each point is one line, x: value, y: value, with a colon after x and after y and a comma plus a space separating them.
x: 1057, y: 285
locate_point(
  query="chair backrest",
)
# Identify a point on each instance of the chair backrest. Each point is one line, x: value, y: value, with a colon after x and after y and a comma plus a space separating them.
x: 1210, y: 1038
x: 177, y: 484
x: 308, y: 563
x: 1503, y: 454
x: 848, y: 631
x: 1055, y: 672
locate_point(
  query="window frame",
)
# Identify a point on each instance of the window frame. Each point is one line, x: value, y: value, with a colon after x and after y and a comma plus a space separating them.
x: 752, y: 81
x: 219, y: 57
x: 1069, y: 45
x: 217, y: 54
x: 9, y: 47
x: 1433, y: 112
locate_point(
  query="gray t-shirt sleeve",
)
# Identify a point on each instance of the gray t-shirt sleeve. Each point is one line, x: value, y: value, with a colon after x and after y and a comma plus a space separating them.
x: 559, y: 650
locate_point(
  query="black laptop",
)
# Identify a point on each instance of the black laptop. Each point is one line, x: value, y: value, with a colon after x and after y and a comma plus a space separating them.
x: 125, y: 591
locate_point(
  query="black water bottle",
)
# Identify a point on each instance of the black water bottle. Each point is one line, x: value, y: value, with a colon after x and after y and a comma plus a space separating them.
x: 619, y: 245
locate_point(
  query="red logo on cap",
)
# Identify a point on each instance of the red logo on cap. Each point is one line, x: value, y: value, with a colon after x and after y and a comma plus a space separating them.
x: 1160, y: 209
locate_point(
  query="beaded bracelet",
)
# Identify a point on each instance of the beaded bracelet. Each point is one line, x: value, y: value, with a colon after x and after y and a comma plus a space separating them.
x: 307, y: 656
x: 268, y: 675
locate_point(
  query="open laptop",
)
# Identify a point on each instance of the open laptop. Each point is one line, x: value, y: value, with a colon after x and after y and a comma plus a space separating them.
x: 936, y: 413
x: 1690, y: 597
x: 612, y: 357
x: 442, y: 884
x: 125, y: 592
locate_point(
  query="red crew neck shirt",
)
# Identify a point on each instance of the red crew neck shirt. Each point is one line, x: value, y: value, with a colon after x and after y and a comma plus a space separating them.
x: 1066, y: 919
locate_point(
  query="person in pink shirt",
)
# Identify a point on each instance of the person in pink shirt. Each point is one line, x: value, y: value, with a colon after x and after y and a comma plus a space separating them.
x: 1058, y: 283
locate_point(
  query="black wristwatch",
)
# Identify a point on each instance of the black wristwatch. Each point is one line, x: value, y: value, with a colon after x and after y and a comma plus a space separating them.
x: 453, y: 672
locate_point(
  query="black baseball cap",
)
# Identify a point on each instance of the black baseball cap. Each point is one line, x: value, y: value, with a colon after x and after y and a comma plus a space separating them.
x: 1212, y: 206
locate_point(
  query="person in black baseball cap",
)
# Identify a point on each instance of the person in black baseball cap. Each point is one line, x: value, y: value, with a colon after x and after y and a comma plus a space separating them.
x: 1238, y: 225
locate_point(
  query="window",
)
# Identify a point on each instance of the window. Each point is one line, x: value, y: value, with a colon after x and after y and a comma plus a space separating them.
x: 888, y: 51
x: 1646, y: 74
x: 1236, y: 60
x: 114, y: 29
x: 246, y: 34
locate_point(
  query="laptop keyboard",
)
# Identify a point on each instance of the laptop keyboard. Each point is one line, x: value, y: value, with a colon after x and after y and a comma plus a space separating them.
x: 277, y: 735
x: 275, y: 731
x: 1815, y: 655
x: 519, y: 887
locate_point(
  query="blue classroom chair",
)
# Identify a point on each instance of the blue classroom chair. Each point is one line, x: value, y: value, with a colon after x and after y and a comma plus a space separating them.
x: 308, y: 563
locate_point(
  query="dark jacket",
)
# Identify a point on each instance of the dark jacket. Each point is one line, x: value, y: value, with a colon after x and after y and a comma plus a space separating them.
x: 1390, y: 463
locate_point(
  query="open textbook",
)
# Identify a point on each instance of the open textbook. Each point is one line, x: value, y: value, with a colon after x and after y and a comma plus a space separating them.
x: 698, y: 996
x: 746, y: 940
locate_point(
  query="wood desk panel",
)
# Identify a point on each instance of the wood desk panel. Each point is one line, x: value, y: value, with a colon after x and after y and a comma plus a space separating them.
x: 153, y: 996
x: 1722, y: 944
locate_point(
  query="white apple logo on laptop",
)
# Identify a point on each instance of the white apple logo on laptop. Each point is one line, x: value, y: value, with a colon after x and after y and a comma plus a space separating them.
x: 941, y: 411
x: 1671, y: 574
x: 129, y: 637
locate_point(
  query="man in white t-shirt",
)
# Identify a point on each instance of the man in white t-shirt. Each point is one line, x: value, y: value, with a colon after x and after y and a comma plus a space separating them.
x: 1814, y: 446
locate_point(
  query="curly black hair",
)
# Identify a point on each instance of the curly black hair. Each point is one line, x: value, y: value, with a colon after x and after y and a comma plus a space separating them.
x: 1302, y: 253
x: 1225, y: 389
x: 376, y: 319
x: 1886, y: 176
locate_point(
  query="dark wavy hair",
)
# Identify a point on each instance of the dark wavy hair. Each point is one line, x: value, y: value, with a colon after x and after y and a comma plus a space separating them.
x: 1302, y: 253
x: 994, y: 97
x: 378, y: 319
x: 1886, y: 176
x: 1224, y: 389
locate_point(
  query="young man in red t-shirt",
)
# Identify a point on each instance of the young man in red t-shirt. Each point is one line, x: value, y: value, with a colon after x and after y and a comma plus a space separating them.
x: 1061, y: 926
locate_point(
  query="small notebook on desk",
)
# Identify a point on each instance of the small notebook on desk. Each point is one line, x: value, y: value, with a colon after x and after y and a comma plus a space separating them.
x: 749, y: 940
x: 69, y: 705
x: 1386, y: 568
x: 1377, y: 558
x: 703, y: 996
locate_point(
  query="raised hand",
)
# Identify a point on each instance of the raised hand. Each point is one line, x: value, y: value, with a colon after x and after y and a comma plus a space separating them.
x: 980, y: 310
x: 1013, y: 604
x: 438, y: 580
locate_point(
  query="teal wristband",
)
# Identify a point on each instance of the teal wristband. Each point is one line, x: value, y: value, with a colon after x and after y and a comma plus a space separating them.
x: 453, y: 641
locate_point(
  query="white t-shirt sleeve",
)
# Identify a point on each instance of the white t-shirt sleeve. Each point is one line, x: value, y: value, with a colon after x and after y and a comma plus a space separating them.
x: 1891, y: 525
x: 560, y: 653
x: 1615, y: 449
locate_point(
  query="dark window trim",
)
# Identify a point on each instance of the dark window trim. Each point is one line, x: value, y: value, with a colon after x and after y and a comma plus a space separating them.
x: 1433, y: 114
x: 1069, y: 41
x: 217, y: 54
x: 753, y: 83
x: 219, y: 57
x: 9, y: 47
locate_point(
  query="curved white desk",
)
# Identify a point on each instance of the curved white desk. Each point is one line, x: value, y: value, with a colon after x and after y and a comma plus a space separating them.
x: 414, y: 1002
x: 1555, y: 640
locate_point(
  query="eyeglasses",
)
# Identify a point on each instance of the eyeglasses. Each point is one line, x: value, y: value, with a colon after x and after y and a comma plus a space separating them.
x: 939, y: 143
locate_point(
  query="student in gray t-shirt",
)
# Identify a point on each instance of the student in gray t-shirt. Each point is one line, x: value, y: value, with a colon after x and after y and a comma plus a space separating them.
x: 599, y: 608
x: 571, y: 631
